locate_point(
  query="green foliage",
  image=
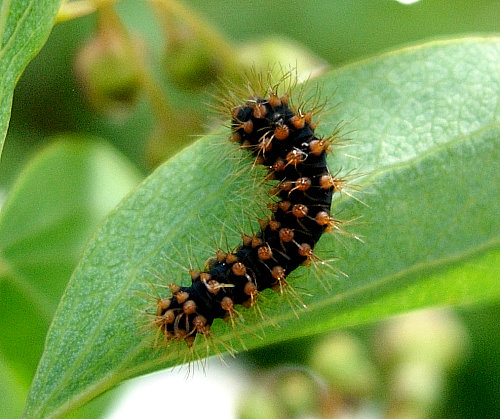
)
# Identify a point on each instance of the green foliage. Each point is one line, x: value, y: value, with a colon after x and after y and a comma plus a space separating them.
x: 24, y: 28
x: 74, y: 183
x: 421, y: 126
x: 425, y: 125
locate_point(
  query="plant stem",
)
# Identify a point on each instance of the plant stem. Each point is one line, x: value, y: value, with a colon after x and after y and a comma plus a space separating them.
x: 80, y: 8
x: 109, y: 18
x: 225, y: 50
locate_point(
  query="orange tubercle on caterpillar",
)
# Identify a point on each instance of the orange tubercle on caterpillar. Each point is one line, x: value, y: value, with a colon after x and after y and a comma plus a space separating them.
x: 282, y: 139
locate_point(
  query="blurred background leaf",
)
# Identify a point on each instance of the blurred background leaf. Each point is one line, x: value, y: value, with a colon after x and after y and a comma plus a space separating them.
x: 58, y: 200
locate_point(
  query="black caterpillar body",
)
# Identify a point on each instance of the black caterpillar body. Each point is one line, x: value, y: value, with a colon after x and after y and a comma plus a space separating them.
x: 282, y: 140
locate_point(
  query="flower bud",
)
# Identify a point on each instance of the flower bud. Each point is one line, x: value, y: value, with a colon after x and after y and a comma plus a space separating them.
x: 431, y: 336
x: 264, y: 53
x: 107, y: 67
x: 193, y: 64
x: 344, y: 363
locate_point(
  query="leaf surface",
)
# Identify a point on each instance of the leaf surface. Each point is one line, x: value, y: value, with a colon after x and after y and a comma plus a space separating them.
x: 24, y: 28
x: 426, y: 129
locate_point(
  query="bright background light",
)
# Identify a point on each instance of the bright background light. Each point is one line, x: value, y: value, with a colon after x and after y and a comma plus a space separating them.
x: 407, y: 1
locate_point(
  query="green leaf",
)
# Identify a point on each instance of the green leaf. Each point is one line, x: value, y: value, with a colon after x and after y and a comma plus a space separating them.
x: 426, y: 126
x: 24, y: 28
x: 54, y: 206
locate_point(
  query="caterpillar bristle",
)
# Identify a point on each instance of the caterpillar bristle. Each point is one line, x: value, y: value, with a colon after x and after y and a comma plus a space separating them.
x: 274, y: 122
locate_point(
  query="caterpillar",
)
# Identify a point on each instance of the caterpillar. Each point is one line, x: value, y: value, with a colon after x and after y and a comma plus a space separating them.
x: 282, y: 139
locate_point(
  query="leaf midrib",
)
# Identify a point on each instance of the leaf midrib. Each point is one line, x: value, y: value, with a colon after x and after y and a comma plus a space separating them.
x: 419, y: 267
x: 111, y: 308
x: 365, y: 289
x: 3, y: 21
x: 4, y: 14
x: 114, y: 376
